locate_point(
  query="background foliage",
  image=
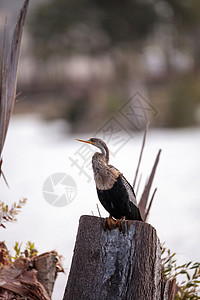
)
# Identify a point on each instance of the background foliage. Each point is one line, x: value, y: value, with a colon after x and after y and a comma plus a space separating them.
x: 187, y: 276
x: 80, y: 52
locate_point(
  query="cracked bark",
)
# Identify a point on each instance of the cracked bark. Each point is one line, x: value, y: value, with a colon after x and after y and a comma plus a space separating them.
x: 115, y: 265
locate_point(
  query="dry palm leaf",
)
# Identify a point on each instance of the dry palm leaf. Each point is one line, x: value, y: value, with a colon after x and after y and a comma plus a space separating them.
x: 8, y: 83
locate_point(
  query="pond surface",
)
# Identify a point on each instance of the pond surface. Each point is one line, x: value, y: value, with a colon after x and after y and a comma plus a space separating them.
x: 36, y: 149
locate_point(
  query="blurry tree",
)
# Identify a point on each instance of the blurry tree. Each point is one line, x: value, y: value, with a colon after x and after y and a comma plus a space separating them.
x: 186, y: 22
x: 184, y: 102
x: 87, y: 26
x: 121, y: 30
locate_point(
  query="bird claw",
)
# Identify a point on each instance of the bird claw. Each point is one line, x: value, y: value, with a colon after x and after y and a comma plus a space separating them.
x: 111, y: 223
x: 121, y: 224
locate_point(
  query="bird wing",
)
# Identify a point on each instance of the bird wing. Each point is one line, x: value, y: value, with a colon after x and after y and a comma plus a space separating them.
x: 129, y: 188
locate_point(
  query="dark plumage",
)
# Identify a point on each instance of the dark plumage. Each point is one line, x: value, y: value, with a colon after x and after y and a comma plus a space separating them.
x: 117, y: 201
x: 114, y: 191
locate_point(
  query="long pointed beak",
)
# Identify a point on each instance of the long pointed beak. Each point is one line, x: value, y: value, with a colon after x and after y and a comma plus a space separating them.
x: 88, y: 142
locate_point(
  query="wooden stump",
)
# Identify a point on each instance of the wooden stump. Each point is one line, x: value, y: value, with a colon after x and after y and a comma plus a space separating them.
x: 28, y: 277
x: 46, y: 265
x: 109, y: 264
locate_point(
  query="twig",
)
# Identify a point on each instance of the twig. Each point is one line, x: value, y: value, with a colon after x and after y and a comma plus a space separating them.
x: 141, y: 152
x: 98, y: 210
x: 145, y: 194
x: 1, y: 173
x: 150, y: 204
x: 19, y: 99
x: 4, y: 178
x: 138, y: 186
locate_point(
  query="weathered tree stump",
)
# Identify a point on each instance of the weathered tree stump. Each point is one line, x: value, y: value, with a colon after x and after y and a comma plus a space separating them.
x: 109, y: 264
x: 28, y: 277
x: 46, y: 265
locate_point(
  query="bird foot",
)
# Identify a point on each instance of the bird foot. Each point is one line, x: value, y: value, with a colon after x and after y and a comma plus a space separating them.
x: 111, y: 223
x: 121, y: 224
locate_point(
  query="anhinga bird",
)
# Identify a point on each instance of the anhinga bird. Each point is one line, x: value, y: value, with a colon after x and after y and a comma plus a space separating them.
x: 114, y: 191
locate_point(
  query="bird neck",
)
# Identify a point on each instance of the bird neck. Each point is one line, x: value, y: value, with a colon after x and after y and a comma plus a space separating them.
x: 105, y: 152
x: 99, y: 161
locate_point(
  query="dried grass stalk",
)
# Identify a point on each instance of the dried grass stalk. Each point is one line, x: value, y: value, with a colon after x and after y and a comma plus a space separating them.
x: 150, y: 204
x: 145, y: 194
x: 141, y: 152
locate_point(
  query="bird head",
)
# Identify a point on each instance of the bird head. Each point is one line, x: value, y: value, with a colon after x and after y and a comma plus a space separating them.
x: 99, y: 144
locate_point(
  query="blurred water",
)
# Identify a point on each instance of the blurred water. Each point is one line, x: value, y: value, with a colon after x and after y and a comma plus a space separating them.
x: 35, y: 149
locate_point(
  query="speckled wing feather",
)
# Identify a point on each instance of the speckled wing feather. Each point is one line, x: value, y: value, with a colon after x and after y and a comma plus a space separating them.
x: 116, y: 201
x: 130, y: 190
x: 131, y: 193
